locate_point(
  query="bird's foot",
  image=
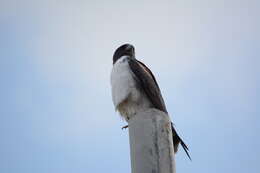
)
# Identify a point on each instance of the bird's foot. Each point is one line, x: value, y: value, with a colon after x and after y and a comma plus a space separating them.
x: 124, y: 127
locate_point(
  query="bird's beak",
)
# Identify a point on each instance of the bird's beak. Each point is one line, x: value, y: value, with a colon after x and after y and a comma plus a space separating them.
x: 130, y: 49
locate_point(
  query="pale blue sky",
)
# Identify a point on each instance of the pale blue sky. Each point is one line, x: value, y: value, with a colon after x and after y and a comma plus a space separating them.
x: 56, y: 111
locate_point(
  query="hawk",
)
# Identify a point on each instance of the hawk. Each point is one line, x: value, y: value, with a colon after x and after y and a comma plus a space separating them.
x: 134, y: 89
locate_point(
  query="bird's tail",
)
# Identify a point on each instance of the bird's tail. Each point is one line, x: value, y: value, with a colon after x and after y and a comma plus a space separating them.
x: 177, y: 140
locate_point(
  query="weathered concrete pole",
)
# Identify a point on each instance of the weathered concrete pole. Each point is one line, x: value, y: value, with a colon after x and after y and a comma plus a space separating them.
x: 151, y: 143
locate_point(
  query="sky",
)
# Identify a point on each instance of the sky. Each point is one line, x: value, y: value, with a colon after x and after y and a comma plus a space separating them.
x: 56, y: 57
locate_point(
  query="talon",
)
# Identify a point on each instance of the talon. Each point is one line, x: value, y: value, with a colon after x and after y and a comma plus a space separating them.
x: 124, y: 127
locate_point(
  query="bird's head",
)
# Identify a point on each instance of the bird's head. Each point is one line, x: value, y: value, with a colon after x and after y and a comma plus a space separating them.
x: 124, y: 50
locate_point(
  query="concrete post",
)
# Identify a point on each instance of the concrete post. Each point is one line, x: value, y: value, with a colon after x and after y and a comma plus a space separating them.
x: 151, y: 143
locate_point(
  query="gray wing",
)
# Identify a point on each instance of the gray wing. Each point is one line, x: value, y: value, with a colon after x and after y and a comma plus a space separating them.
x: 147, y: 81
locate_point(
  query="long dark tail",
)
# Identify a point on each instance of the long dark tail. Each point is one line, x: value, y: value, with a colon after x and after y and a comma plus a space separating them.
x: 177, y: 140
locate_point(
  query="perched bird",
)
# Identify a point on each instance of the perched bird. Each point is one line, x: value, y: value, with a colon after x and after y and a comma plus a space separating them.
x: 134, y: 89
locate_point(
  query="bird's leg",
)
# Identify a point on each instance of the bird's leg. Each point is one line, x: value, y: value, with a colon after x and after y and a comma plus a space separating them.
x: 124, y: 127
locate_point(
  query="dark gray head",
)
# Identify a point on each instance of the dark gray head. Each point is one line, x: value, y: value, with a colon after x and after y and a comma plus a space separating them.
x: 124, y: 50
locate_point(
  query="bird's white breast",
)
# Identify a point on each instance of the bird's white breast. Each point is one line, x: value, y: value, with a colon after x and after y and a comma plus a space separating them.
x: 122, y: 81
x: 126, y: 96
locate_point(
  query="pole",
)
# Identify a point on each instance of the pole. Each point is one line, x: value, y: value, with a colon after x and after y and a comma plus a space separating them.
x: 151, y: 143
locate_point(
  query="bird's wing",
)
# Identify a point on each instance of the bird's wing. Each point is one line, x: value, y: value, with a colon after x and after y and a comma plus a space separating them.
x: 146, y: 80
x: 148, y: 84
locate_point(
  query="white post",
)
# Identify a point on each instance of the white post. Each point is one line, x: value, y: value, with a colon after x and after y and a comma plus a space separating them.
x: 151, y: 143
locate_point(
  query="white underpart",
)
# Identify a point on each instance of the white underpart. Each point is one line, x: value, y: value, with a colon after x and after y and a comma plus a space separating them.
x: 127, y: 97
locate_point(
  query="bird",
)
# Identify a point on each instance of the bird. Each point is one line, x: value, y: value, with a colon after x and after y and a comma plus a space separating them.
x: 135, y: 89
